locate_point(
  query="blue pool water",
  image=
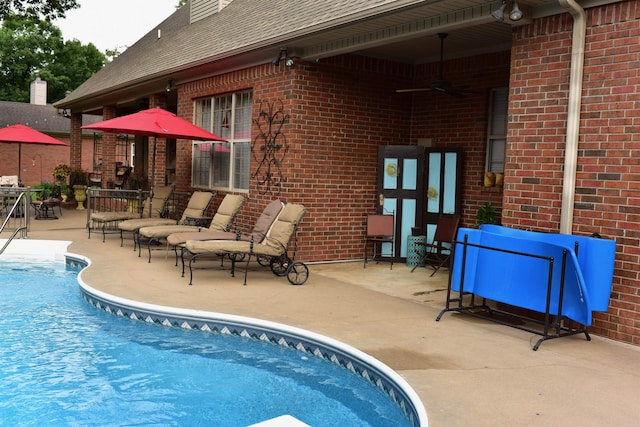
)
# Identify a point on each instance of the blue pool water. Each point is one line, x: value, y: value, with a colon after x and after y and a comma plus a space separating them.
x: 66, y: 363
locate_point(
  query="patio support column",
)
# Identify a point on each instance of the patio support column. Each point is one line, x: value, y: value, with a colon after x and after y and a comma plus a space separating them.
x: 156, y: 176
x: 75, y: 141
x: 108, y: 147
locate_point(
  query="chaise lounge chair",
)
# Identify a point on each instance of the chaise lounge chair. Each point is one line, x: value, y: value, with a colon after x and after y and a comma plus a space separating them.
x: 154, y: 207
x: 197, y: 206
x: 222, y: 221
x: 260, y: 229
x: 274, y: 247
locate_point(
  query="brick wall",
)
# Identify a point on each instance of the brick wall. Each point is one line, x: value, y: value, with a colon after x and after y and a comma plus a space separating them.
x: 607, y: 198
x: 339, y: 112
x: 450, y: 121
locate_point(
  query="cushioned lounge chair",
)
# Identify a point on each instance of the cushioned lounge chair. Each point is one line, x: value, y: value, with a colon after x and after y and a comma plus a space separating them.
x: 260, y: 229
x: 221, y: 221
x: 274, y: 247
x: 153, y: 207
x: 197, y: 206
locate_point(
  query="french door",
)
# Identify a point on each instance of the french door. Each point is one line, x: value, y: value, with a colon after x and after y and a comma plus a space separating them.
x: 400, y: 191
x: 418, y: 185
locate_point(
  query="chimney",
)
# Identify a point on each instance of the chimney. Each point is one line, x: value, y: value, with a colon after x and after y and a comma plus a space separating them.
x: 38, y: 91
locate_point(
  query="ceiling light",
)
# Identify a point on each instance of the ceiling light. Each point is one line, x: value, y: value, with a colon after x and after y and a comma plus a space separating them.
x: 498, y: 14
x: 516, y: 14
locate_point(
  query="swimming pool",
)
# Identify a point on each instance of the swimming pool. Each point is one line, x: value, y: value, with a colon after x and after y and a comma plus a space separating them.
x: 241, y: 343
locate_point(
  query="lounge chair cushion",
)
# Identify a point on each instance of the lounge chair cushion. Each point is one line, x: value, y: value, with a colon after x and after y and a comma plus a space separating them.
x: 275, y: 244
x: 197, y: 205
x: 135, y: 224
x: 226, y: 212
x: 176, y: 239
x: 284, y: 226
x: 113, y: 216
x: 158, y: 202
x: 264, y: 221
x: 232, y: 246
x: 162, y: 231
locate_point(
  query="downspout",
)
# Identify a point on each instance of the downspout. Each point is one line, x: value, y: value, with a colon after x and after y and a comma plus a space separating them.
x: 573, y: 119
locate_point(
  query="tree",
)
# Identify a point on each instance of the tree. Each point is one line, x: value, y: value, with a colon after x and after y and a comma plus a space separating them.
x: 71, y: 66
x: 45, y: 9
x: 29, y: 46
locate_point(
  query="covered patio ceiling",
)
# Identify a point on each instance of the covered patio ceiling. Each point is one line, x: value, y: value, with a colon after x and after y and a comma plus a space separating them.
x: 403, y: 31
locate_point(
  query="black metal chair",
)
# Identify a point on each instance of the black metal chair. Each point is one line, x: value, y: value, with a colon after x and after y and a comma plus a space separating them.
x: 438, y: 252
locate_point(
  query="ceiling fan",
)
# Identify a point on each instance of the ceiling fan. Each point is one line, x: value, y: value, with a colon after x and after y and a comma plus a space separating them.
x: 441, y: 85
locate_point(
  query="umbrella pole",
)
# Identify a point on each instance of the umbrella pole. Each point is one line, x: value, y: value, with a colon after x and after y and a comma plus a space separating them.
x: 19, y: 164
x: 153, y: 175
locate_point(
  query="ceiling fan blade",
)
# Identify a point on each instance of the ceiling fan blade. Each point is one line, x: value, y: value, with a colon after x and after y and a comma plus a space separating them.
x: 441, y: 85
x: 416, y: 89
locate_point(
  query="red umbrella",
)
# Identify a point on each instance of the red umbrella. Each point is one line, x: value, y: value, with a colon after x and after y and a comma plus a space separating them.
x: 154, y: 122
x: 24, y: 134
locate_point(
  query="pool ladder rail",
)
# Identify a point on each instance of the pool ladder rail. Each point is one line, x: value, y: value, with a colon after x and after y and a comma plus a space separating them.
x: 24, y: 223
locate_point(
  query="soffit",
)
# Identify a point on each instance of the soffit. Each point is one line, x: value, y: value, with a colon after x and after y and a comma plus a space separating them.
x: 401, y: 30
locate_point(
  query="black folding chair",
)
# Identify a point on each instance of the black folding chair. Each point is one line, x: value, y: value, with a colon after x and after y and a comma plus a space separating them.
x: 437, y: 252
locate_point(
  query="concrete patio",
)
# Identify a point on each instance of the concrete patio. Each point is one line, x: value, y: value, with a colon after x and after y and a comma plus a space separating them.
x: 467, y: 371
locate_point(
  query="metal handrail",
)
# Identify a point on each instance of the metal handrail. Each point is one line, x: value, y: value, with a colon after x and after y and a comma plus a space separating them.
x: 6, y: 220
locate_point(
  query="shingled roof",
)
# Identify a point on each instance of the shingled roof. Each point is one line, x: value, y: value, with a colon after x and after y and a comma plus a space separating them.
x: 44, y: 118
x: 243, y: 26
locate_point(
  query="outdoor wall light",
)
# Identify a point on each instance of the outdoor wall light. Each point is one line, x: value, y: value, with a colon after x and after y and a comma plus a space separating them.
x: 289, y: 62
x: 515, y: 15
x: 281, y: 55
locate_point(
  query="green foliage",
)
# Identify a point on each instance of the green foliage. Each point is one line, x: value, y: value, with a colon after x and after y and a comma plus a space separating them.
x: 486, y: 215
x: 29, y: 47
x: 73, y: 64
x: 137, y: 181
x: 78, y: 177
x: 45, y: 9
x: 45, y: 191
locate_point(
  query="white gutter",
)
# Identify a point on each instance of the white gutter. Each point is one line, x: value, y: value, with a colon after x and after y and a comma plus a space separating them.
x: 573, y: 119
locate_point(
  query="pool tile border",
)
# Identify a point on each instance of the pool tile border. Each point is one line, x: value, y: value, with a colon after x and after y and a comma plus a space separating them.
x: 252, y: 328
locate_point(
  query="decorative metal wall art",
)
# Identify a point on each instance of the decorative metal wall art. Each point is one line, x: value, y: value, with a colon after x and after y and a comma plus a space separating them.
x: 269, y: 147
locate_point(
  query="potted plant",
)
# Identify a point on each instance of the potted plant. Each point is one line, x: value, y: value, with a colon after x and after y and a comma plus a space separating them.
x: 137, y: 181
x: 486, y: 215
x: 61, y: 172
x: 65, y: 192
x: 45, y: 190
x: 78, y: 179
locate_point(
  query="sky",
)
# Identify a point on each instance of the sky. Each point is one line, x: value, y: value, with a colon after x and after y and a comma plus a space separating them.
x: 111, y: 24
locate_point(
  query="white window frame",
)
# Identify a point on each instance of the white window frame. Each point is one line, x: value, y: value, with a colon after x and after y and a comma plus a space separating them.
x: 226, y: 116
x: 497, y: 129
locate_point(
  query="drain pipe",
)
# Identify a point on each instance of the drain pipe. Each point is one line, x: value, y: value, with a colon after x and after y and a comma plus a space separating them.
x: 573, y: 119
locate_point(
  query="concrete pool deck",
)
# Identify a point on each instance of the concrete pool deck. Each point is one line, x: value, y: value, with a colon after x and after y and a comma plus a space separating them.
x: 468, y: 372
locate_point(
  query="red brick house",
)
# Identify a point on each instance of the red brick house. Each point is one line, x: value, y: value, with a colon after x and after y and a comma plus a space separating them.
x: 311, y: 96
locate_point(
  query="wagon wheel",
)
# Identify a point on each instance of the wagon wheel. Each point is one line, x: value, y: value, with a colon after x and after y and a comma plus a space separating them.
x: 264, y: 260
x: 279, y: 265
x: 297, y: 273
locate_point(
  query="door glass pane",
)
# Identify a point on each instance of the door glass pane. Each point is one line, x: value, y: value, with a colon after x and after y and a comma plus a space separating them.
x: 433, y: 183
x: 410, y: 174
x: 389, y: 206
x: 408, y: 222
x: 449, y: 189
x: 390, y: 174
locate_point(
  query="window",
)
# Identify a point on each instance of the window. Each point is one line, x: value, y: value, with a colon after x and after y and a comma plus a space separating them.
x: 223, y: 165
x: 497, y: 131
